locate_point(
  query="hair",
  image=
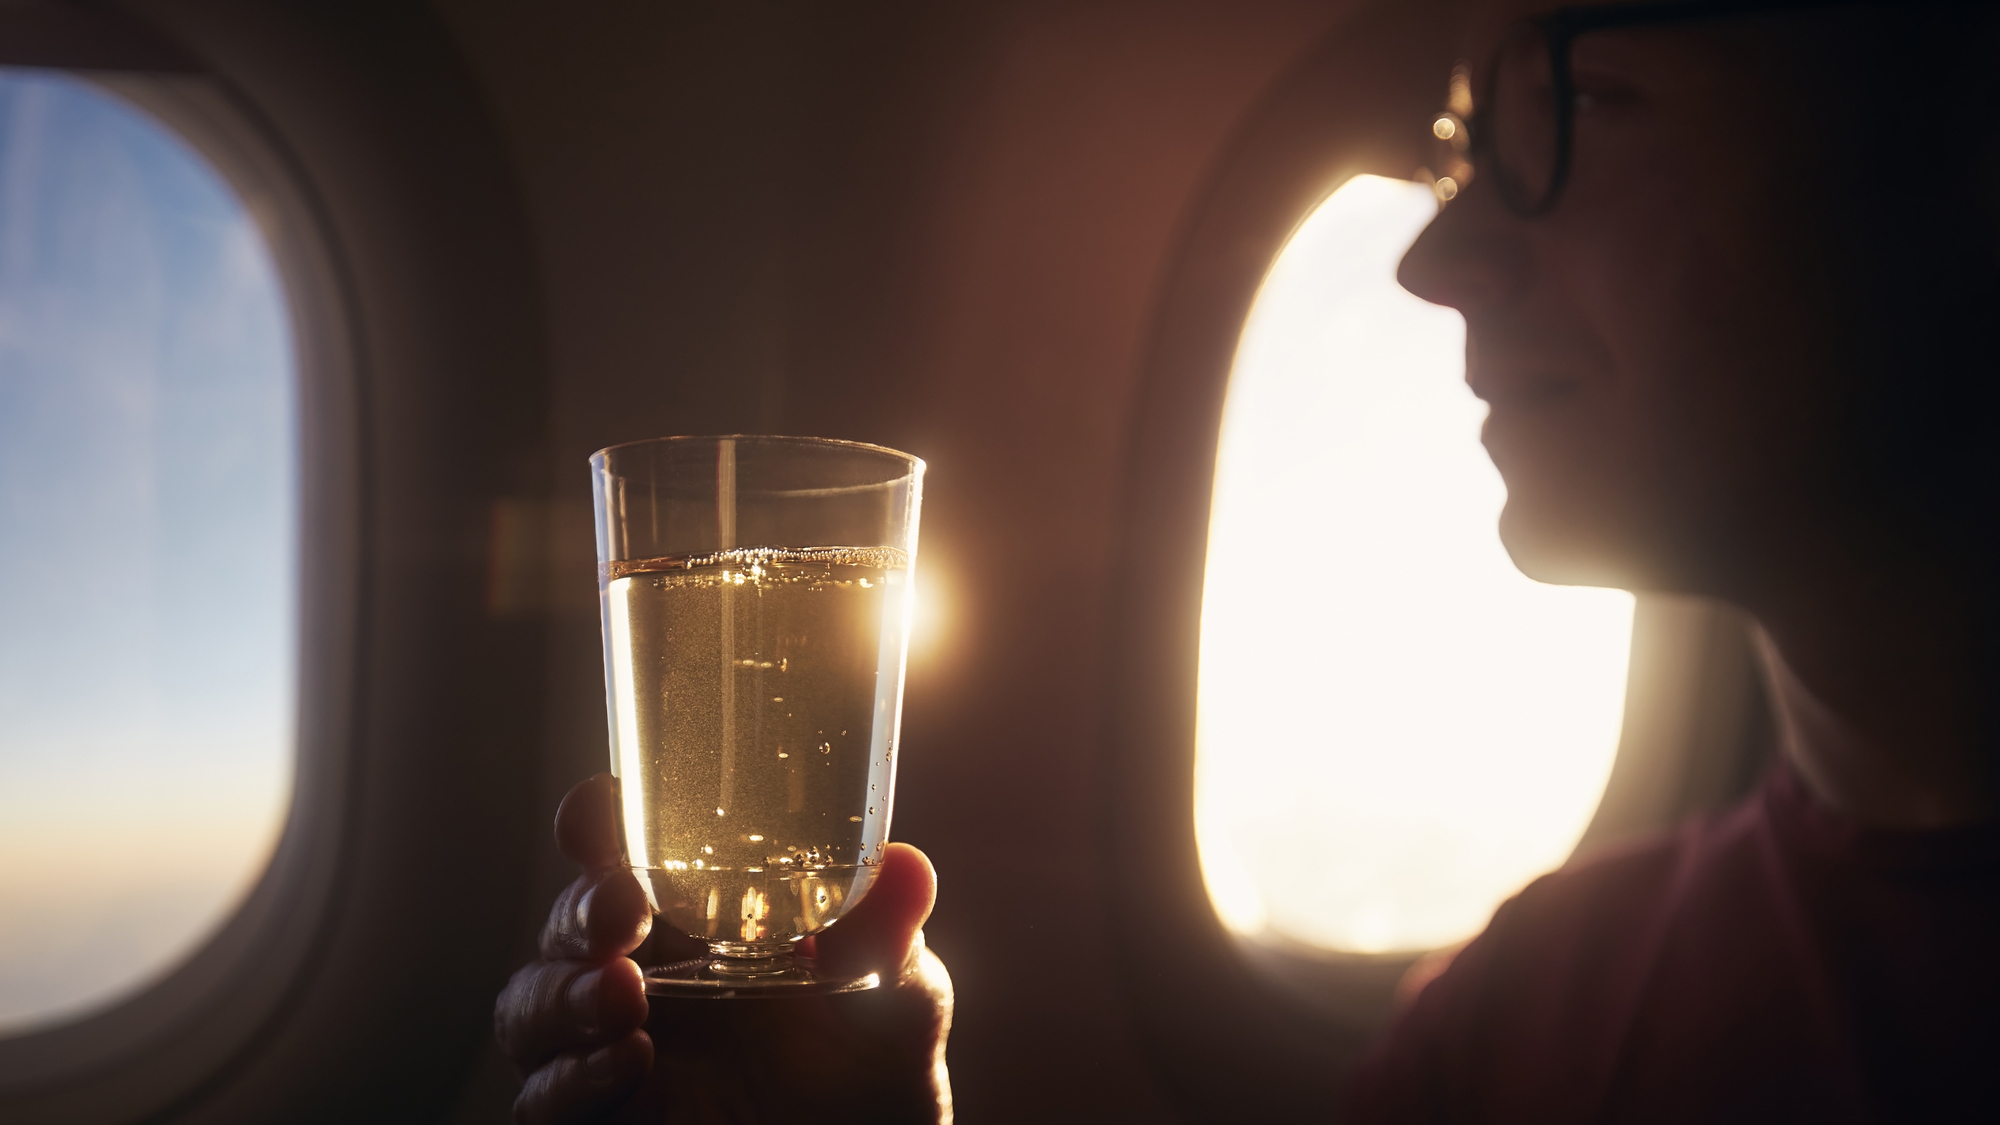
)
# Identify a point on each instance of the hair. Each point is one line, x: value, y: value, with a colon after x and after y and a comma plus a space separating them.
x: 1906, y: 197
x: 1902, y: 191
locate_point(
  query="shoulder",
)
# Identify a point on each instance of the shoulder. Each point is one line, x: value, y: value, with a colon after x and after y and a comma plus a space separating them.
x: 1551, y: 953
x: 1536, y: 1003
x: 1596, y: 920
x: 1564, y: 915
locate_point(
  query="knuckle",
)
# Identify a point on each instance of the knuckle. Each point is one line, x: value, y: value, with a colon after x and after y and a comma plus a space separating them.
x: 551, y: 1004
x: 533, y: 1018
x: 581, y: 1084
x: 563, y: 935
x: 541, y: 1094
x: 510, y: 1008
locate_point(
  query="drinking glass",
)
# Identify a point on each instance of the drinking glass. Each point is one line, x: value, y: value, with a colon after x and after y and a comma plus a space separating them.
x: 756, y: 604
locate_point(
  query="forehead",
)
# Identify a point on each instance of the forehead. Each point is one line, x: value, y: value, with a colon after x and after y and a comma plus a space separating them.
x: 1481, y: 22
x: 1659, y: 50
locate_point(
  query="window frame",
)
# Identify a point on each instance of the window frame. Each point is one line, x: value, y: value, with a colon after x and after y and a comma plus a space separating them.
x: 362, y: 970
x: 169, y: 1037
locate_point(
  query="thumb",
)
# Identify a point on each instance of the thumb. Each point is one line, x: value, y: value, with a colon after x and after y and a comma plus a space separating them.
x: 880, y: 935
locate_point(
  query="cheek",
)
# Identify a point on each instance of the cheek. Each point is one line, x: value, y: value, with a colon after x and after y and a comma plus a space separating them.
x: 1691, y: 341
x: 1605, y: 481
x: 1698, y: 426
x: 1710, y: 389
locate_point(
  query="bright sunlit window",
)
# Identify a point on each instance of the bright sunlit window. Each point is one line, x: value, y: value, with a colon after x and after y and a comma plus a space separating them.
x: 1397, y: 729
x: 147, y: 494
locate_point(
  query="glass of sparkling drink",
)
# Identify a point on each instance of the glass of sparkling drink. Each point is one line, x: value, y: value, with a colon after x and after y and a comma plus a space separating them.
x: 756, y: 604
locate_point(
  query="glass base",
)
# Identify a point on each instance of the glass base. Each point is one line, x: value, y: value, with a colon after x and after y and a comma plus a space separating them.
x: 747, y: 978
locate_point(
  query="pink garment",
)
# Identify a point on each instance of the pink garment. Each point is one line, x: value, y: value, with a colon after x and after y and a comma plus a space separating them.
x: 1774, y: 964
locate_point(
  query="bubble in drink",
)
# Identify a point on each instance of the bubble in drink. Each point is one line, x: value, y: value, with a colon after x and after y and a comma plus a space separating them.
x: 720, y: 667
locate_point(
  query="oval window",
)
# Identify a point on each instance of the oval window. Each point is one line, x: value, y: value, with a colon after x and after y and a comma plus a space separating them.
x: 147, y: 573
x: 1397, y: 728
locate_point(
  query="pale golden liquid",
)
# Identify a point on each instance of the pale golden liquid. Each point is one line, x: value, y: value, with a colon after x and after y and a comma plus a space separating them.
x: 754, y: 699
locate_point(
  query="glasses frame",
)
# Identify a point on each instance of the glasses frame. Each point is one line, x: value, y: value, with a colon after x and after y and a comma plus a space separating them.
x: 1559, y: 30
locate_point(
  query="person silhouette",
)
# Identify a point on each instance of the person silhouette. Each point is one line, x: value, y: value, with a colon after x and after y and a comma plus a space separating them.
x: 1734, y: 340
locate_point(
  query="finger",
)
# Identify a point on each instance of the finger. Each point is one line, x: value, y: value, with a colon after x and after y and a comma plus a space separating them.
x: 587, y: 823
x: 579, y: 1085
x: 554, y: 1006
x: 598, y: 916
x: 880, y: 935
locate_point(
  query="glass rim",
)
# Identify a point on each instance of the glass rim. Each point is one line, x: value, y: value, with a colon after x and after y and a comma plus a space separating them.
x: 915, y: 463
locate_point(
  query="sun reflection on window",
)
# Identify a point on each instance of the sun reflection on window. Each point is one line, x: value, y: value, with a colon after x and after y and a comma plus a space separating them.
x: 1397, y: 729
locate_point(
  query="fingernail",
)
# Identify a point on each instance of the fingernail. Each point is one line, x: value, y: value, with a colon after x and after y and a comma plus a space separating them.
x: 583, y: 912
x: 582, y: 998
x: 601, y: 1065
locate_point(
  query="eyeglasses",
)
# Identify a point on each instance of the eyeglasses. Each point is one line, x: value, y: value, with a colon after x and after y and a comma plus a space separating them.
x: 1522, y: 132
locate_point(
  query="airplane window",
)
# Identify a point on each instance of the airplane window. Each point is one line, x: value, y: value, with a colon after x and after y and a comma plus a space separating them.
x: 147, y: 500
x: 1397, y: 729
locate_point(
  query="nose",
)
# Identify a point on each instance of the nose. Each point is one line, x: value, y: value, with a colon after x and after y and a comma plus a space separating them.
x: 1473, y: 256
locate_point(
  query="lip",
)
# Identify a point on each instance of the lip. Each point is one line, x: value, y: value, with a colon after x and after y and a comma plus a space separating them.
x: 1510, y: 438
x: 1523, y: 401
x: 1522, y: 389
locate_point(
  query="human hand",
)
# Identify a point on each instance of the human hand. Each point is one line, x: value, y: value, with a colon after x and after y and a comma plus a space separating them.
x: 578, y: 1024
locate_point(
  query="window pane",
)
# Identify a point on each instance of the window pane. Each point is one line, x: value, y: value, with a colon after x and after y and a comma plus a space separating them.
x: 147, y: 493
x: 1397, y: 728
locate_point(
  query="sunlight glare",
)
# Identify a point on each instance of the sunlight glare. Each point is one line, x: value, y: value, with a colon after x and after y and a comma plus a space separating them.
x: 930, y: 611
x: 1397, y: 728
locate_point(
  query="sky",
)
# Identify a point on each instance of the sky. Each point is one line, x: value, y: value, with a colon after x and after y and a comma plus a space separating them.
x: 1397, y: 729
x: 148, y: 487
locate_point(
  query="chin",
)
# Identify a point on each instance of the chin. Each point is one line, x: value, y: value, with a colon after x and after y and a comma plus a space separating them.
x: 1568, y: 551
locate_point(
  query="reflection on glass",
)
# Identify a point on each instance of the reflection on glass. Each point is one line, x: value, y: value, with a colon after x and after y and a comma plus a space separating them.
x: 147, y: 490
x: 1397, y: 729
